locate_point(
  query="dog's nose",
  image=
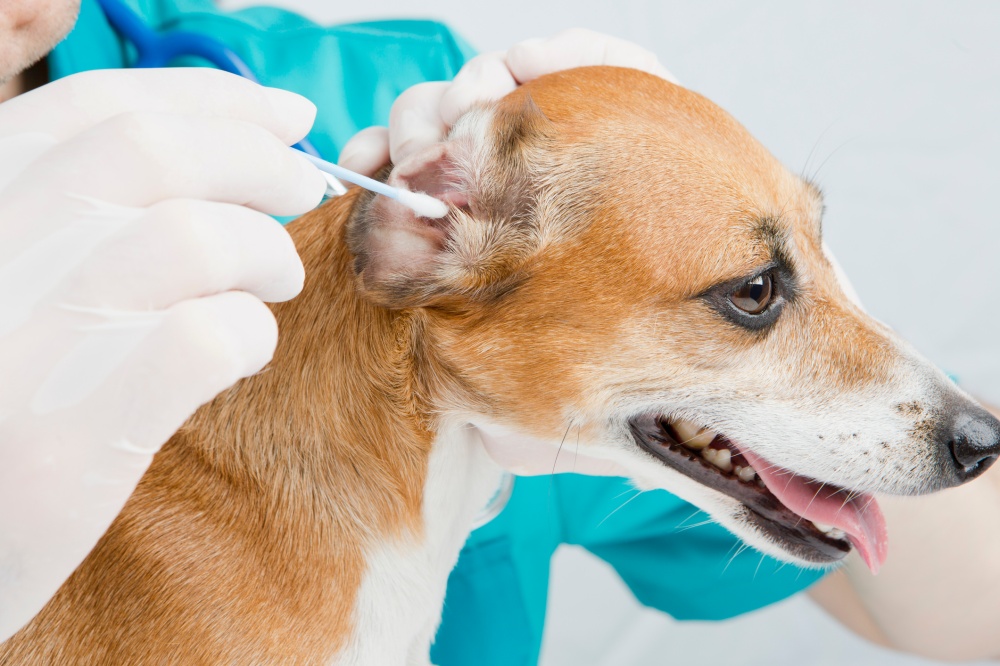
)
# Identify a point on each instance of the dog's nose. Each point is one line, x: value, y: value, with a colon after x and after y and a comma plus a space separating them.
x: 974, y: 443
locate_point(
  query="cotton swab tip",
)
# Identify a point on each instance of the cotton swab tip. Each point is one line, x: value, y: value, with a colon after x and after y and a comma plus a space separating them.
x: 422, y: 204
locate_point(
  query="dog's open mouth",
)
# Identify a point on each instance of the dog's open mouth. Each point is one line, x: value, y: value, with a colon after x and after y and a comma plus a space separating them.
x: 817, y: 522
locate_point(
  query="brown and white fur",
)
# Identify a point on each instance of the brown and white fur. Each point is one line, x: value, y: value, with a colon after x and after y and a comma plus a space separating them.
x: 311, y: 514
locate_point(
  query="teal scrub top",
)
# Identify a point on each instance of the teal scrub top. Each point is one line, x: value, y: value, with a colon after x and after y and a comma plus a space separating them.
x: 495, y: 605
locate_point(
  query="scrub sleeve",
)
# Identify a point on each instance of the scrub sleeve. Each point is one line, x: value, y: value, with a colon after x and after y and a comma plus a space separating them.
x: 664, y: 549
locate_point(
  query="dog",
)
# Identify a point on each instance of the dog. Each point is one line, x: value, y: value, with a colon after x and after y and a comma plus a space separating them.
x: 621, y: 261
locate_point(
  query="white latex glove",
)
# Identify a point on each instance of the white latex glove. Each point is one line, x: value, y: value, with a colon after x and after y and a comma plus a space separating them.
x: 423, y: 115
x: 135, y: 250
x: 525, y: 456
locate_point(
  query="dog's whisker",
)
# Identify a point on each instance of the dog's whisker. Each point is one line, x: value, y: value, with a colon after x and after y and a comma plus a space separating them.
x: 693, y: 514
x: 812, y: 151
x: 736, y: 544
x: 708, y: 521
x: 627, y: 490
x: 757, y: 568
x: 555, y: 461
x: 577, y: 452
x: 828, y: 157
x: 622, y: 505
x: 743, y: 547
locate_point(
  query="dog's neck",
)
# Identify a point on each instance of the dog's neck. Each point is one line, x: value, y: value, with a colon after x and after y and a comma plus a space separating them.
x: 322, y: 502
x: 356, y: 473
x: 343, y: 393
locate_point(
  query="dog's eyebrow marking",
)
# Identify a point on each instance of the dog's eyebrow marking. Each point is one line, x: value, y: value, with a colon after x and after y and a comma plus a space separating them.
x: 773, y: 235
x: 771, y: 238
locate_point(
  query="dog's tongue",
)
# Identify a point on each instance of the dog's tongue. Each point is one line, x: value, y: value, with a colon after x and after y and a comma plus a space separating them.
x: 859, y: 517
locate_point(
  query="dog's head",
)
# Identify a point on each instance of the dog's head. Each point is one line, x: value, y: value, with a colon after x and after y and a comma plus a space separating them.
x: 626, y: 269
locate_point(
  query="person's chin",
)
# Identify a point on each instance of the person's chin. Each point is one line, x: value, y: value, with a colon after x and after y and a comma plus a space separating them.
x: 29, y: 30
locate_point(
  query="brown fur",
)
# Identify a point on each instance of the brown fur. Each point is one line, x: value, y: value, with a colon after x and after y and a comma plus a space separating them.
x: 571, y: 277
x: 244, y: 542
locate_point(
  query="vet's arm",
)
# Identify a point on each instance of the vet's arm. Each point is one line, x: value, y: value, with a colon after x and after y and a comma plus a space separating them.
x: 136, y: 245
x: 937, y: 595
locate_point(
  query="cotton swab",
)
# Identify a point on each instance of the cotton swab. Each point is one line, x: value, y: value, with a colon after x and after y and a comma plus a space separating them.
x: 422, y: 204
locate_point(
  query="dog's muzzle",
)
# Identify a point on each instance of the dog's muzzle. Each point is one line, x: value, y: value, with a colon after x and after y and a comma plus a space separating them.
x: 813, y: 521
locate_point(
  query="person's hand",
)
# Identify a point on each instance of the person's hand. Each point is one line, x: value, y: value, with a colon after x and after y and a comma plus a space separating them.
x: 524, y: 455
x: 423, y: 115
x: 135, y: 250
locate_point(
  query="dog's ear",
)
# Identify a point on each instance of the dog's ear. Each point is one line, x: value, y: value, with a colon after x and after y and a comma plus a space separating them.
x: 483, y: 172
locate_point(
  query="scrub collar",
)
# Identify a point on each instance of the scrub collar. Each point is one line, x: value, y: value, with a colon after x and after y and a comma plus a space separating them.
x: 92, y: 44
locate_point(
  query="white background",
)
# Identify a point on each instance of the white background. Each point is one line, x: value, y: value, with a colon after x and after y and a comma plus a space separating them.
x: 893, y: 108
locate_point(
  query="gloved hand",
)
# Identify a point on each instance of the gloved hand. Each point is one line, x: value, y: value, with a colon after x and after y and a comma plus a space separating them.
x: 422, y: 117
x: 135, y: 250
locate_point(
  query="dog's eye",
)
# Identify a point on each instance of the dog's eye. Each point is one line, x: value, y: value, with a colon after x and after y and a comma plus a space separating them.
x: 754, y: 296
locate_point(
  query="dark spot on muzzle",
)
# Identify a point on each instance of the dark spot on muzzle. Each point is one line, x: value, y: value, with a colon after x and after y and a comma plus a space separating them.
x: 910, y: 408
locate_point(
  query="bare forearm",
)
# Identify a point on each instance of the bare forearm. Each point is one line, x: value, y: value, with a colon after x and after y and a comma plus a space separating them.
x: 938, y: 594
x: 835, y: 594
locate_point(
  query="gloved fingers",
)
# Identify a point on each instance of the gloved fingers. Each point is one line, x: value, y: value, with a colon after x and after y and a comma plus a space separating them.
x: 423, y: 115
x: 577, y: 47
x: 73, y: 104
x: 415, y: 120
x: 483, y: 79
x: 204, y: 346
x: 183, y: 248
x: 367, y: 151
x: 20, y: 150
x: 133, y: 378
x: 91, y: 449
x: 149, y: 157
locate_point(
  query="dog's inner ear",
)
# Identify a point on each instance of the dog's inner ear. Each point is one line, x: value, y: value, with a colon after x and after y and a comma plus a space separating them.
x: 434, y: 172
x: 482, y: 171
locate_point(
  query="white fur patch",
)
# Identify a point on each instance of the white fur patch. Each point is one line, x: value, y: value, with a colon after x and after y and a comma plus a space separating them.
x: 402, y: 592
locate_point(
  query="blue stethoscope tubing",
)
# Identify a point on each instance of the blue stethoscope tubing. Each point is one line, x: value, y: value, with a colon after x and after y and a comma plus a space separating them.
x: 155, y: 49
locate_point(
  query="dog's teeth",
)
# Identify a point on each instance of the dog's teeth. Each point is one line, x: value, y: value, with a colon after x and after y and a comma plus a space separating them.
x: 829, y: 530
x: 746, y: 474
x: 721, y: 458
x: 691, y: 436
